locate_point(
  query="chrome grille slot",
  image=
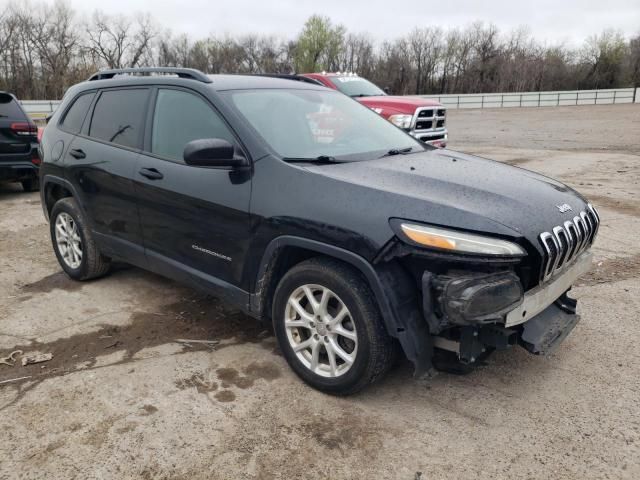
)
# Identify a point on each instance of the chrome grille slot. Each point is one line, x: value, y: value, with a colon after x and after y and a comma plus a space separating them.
x: 582, y: 232
x: 589, y: 223
x: 550, y: 246
x: 596, y: 218
x: 565, y: 242
x: 571, y: 230
x: 563, y: 245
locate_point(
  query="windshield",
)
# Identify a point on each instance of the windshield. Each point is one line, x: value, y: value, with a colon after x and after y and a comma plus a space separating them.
x: 307, y: 124
x: 356, y: 87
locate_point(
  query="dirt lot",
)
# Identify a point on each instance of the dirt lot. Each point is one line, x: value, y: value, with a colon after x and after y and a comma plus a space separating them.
x: 122, y: 399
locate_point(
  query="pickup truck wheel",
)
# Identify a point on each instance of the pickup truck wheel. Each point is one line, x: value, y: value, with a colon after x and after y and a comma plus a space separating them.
x: 73, y: 243
x: 329, y: 327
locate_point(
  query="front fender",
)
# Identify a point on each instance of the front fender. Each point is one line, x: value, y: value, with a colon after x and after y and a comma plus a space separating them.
x: 396, y: 294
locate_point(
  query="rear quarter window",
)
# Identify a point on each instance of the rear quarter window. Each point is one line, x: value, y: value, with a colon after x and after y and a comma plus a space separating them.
x: 118, y: 117
x: 9, y: 107
x: 75, y: 116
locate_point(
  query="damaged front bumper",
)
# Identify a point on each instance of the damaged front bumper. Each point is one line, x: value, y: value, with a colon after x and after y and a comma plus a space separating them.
x: 539, y: 320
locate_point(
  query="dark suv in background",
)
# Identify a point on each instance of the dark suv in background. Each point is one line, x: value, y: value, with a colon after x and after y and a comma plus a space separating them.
x: 19, y: 159
x: 305, y: 208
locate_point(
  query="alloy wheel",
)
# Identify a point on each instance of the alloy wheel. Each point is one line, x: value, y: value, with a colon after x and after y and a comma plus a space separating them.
x: 321, y: 331
x: 68, y: 240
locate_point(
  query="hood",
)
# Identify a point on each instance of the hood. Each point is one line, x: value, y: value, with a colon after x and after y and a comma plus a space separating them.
x: 450, y: 189
x: 400, y: 104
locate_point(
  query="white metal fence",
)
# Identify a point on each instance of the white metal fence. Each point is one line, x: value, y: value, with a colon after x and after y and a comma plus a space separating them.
x: 39, y: 109
x: 539, y: 99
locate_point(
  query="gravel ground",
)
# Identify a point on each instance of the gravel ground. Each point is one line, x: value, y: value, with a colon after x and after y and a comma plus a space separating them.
x: 122, y: 399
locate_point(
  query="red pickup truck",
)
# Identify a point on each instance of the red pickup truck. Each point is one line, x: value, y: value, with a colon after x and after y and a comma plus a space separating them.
x: 422, y: 118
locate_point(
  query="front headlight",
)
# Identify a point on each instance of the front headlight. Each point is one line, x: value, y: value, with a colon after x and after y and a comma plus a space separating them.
x: 458, y: 242
x: 402, y: 121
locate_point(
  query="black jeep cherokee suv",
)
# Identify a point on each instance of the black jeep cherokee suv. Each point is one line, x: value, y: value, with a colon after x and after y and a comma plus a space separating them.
x: 19, y: 159
x: 301, y: 206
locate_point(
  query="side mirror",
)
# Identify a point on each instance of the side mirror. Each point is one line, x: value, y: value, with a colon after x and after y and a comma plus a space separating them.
x: 387, y: 90
x: 212, y: 152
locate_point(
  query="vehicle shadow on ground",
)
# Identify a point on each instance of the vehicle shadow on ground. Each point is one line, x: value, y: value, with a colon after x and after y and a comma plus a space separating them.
x: 10, y: 190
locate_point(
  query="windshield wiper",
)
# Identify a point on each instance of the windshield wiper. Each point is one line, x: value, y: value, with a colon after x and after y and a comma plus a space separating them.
x: 318, y: 159
x: 397, y: 151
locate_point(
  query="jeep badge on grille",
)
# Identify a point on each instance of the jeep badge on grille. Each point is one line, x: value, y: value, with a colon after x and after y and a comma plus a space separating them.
x: 565, y: 207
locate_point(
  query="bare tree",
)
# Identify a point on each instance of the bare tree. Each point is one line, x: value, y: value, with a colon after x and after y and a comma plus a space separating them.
x: 118, y: 41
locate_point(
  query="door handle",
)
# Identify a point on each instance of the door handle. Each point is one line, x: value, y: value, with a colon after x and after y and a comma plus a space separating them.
x: 151, y: 173
x: 77, y: 153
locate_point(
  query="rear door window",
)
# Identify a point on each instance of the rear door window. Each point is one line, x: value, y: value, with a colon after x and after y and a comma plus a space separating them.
x: 118, y: 117
x: 9, y: 107
x: 74, y: 118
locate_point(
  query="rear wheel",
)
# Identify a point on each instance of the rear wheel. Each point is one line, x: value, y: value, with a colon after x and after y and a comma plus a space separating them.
x: 73, y: 242
x: 329, y: 327
x: 30, y: 185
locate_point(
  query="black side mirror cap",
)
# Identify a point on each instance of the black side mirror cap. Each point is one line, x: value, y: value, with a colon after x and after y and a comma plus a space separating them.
x: 212, y: 152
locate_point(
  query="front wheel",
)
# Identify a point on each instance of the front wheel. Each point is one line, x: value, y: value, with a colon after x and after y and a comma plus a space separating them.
x: 329, y: 327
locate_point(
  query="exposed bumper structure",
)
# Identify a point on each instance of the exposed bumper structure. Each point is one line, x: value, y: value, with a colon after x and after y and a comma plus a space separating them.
x: 540, y: 321
x: 543, y: 333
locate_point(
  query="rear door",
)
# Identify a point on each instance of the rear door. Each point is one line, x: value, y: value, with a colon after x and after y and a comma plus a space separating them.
x: 71, y: 121
x: 101, y: 161
x: 17, y: 132
x: 195, y: 220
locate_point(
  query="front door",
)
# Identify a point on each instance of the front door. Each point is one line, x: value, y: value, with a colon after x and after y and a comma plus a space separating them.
x: 195, y: 220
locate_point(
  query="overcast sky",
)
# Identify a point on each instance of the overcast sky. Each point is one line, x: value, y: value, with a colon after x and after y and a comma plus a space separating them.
x: 569, y: 21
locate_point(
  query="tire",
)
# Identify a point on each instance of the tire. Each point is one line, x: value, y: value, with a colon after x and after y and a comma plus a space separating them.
x: 30, y: 185
x: 372, y: 350
x: 92, y: 263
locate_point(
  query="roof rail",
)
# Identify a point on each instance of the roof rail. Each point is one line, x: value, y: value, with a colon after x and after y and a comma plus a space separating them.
x: 290, y: 76
x: 190, y: 73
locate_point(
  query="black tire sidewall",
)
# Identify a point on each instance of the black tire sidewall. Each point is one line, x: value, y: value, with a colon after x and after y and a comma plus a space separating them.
x: 353, y: 299
x: 67, y: 206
